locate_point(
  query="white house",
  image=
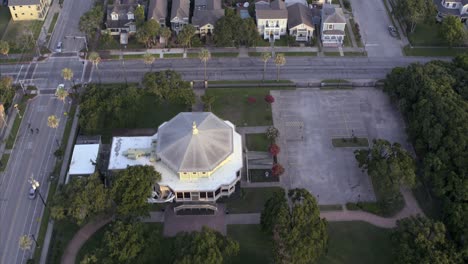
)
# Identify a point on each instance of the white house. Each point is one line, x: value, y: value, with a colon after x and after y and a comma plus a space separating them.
x: 121, y: 17
x: 333, y: 26
x: 300, y: 23
x: 457, y: 8
x: 272, y: 18
x: 205, y: 15
x: 179, y: 14
x: 198, y: 155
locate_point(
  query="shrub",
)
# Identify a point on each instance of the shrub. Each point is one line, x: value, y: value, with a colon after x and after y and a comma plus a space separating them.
x: 272, y: 133
x: 269, y: 98
x: 274, y: 149
x: 277, y: 170
x: 251, y: 99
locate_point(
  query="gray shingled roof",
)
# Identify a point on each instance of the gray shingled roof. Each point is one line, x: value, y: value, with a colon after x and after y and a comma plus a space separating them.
x: 23, y: 2
x: 180, y: 9
x: 157, y: 9
x: 330, y: 14
x: 299, y: 14
x: 207, y: 12
x: 276, y: 10
x: 183, y: 151
x: 121, y: 7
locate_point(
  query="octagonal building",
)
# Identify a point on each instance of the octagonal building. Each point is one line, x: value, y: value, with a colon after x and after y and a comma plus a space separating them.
x: 198, y: 155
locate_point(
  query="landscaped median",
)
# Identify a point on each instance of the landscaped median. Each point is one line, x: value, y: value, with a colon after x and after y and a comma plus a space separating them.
x: 433, y: 51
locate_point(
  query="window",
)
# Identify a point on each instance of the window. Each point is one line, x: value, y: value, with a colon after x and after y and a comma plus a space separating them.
x: 130, y: 16
x: 203, y: 195
x: 114, y: 16
x: 238, y: 173
x: 454, y: 5
x: 330, y: 27
x: 210, y: 194
x: 16, y: 15
x: 180, y: 195
x: 186, y: 195
x: 217, y: 192
x: 14, y: 8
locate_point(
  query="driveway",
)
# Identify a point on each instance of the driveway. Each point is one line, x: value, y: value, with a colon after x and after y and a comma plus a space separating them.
x: 373, y: 21
x: 308, y: 119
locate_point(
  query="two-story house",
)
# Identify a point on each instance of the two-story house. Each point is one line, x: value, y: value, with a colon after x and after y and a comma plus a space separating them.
x: 333, y: 26
x: 28, y: 9
x: 272, y: 18
x: 205, y: 15
x: 120, y: 18
x: 300, y: 23
x: 457, y: 8
x: 179, y: 14
x: 157, y: 11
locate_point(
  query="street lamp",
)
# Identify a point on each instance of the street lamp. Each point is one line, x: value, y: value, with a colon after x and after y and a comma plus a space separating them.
x: 35, y: 240
x: 18, y: 110
x: 35, y: 185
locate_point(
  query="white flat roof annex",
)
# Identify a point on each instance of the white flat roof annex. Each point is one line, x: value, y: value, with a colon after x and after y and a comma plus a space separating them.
x: 81, y: 159
x: 224, y: 175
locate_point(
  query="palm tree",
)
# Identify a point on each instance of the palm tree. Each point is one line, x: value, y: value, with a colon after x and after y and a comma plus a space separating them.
x: 4, y: 47
x: 204, y: 55
x: 266, y: 56
x: 149, y: 59
x: 166, y: 34
x: 208, y: 101
x: 95, y: 59
x: 53, y: 121
x: 67, y: 75
x: 280, y: 60
x: 61, y: 94
x: 25, y: 242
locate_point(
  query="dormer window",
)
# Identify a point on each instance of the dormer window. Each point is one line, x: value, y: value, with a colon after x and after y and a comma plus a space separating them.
x: 130, y: 16
x: 114, y: 16
x: 330, y: 27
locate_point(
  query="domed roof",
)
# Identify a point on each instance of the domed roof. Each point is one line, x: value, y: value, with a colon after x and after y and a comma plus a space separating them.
x: 194, y: 142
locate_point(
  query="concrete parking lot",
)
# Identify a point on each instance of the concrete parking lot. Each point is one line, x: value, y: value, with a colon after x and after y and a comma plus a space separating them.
x: 373, y: 21
x: 308, y: 119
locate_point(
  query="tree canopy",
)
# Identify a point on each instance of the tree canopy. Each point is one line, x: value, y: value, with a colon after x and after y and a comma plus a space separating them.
x: 186, y: 35
x: 124, y: 241
x: 91, y: 21
x: 298, y: 233
x: 4, y: 47
x: 421, y: 240
x: 140, y: 15
x: 131, y: 189
x: 81, y: 199
x: 205, y: 247
x: 226, y: 31
x: 147, y: 32
x: 169, y: 86
x: 7, y: 92
x: 453, y: 31
x: 414, y: 11
x: 429, y: 97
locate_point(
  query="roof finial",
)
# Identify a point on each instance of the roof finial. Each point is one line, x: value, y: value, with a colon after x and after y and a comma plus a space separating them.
x: 194, y: 128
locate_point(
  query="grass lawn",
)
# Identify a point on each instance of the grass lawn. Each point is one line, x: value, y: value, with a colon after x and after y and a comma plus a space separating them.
x: 443, y: 51
x: 347, y: 41
x: 5, y: 17
x: 357, y: 242
x: 62, y: 234
x: 255, y: 54
x: 299, y: 54
x: 255, y: 246
x: 249, y: 81
x: 94, y: 242
x: 350, y: 142
x: 192, y: 55
x: 335, y: 81
x: 257, y: 142
x: 172, y: 55
x: 52, y: 24
x: 259, y: 176
x: 249, y: 200
x: 354, y: 53
x: 262, y: 43
x: 10, y: 142
x: 426, y: 35
x: 224, y: 54
x: 4, y: 161
x: 232, y: 104
x: 16, y: 28
x: 333, y: 54
x: 356, y: 33
x: 330, y: 207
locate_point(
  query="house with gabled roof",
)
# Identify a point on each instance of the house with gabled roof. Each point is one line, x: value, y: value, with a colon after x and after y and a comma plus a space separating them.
x: 180, y: 13
x: 458, y: 8
x: 205, y: 15
x: 120, y: 18
x: 333, y: 26
x: 272, y: 18
x: 157, y: 11
x: 300, y: 24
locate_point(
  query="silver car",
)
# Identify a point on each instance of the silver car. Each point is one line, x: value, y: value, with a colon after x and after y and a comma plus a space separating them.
x: 32, y: 193
x: 59, y: 47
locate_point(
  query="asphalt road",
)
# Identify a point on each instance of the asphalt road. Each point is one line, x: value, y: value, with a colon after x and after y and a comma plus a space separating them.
x: 32, y: 156
x: 67, y: 26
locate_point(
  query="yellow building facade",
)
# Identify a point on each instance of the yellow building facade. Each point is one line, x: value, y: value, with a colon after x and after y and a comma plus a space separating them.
x: 28, y: 9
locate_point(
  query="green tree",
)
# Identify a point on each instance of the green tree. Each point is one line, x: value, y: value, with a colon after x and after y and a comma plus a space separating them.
x: 67, y: 75
x: 4, y: 47
x: 140, y: 15
x: 81, y: 199
x: 205, y: 247
x: 186, y: 35
x: 422, y: 240
x: 61, y: 94
x: 149, y: 59
x: 25, y: 242
x: 53, y: 121
x: 204, y: 55
x: 266, y: 56
x: 453, y: 31
x: 169, y: 86
x: 298, y: 233
x: 280, y: 60
x: 249, y: 34
x: 147, y: 32
x: 166, y: 33
x: 124, y: 241
x: 106, y: 38
x: 226, y: 31
x: 131, y: 189
x: 414, y: 11
x: 90, y: 22
x: 208, y: 101
x: 7, y: 92
x: 95, y: 59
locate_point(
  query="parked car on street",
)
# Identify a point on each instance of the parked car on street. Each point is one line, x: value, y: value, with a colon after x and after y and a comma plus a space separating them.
x: 393, y: 31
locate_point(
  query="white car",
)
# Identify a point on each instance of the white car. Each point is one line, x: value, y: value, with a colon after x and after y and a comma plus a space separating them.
x: 59, y: 47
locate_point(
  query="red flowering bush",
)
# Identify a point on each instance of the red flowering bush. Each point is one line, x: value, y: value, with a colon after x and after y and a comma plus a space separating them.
x: 277, y: 170
x: 269, y: 99
x: 251, y: 100
x: 274, y: 149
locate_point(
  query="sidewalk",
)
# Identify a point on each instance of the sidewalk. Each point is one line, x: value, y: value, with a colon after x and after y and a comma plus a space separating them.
x: 54, y: 8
